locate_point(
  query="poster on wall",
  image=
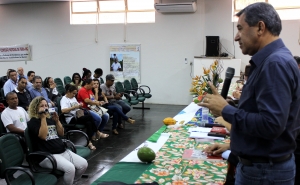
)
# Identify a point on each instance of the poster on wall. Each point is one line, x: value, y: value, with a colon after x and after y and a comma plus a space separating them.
x: 125, y: 61
x: 19, y: 52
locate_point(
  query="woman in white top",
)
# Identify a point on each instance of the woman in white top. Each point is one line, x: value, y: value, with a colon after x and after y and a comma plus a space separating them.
x: 69, y: 106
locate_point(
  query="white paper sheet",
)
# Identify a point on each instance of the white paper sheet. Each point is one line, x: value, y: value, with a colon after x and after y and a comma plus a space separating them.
x: 203, y: 135
x: 132, y: 156
x: 199, y: 129
x: 187, y: 113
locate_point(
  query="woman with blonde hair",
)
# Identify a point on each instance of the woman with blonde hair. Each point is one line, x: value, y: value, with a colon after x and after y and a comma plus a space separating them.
x: 46, y: 130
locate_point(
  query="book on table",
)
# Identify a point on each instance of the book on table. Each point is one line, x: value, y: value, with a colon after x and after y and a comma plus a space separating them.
x: 194, y: 154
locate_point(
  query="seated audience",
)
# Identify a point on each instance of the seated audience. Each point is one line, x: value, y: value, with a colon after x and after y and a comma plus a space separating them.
x: 86, y: 74
x: 14, y: 118
x: 3, y: 79
x: 76, y: 80
x: 20, y: 71
x: 22, y: 93
x: 237, y: 93
x: 50, y: 87
x: 114, y: 110
x: 108, y: 88
x: 38, y: 90
x: 69, y: 106
x: 30, y: 76
x: 11, y: 83
x: 97, y: 74
x: 46, y: 133
x: 87, y: 97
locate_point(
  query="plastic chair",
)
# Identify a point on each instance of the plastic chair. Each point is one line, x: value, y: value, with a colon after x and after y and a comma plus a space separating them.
x: 141, y: 88
x: 61, y: 90
x: 11, y: 155
x: 67, y: 80
x: 58, y: 81
x: 101, y: 80
x: 130, y: 100
x: 128, y: 88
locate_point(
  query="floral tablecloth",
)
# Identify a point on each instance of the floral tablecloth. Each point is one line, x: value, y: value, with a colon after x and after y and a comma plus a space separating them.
x: 170, y: 169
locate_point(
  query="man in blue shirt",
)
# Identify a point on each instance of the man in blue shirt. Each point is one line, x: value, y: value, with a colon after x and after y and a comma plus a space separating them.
x: 38, y: 90
x: 11, y: 83
x: 20, y: 71
x: 266, y: 123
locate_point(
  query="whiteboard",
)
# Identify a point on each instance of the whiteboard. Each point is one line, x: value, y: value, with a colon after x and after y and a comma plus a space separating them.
x: 128, y: 57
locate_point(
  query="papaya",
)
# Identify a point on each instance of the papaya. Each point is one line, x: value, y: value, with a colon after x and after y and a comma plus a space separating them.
x: 169, y: 121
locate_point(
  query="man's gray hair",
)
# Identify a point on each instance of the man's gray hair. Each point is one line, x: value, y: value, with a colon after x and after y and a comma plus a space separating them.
x: 35, y: 78
x: 262, y: 12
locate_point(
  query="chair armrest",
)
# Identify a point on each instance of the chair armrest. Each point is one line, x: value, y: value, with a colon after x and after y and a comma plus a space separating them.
x: 127, y: 96
x: 141, y: 91
x: 134, y: 93
x: 26, y: 171
x: 69, y: 145
x: 149, y: 90
x: 34, y: 165
x: 70, y: 132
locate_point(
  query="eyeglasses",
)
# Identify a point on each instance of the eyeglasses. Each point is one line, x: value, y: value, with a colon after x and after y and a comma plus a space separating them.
x: 24, y: 83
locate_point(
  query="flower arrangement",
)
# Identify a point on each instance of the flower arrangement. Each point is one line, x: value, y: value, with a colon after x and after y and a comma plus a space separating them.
x: 200, y: 86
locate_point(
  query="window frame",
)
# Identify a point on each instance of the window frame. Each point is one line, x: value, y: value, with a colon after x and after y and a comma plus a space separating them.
x: 98, y: 12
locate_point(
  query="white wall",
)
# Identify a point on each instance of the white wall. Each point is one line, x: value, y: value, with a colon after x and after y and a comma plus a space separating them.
x: 218, y: 23
x: 60, y: 49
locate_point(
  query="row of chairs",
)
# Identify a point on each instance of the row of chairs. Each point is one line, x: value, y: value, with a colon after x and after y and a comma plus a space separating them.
x: 133, y: 93
x: 12, y: 155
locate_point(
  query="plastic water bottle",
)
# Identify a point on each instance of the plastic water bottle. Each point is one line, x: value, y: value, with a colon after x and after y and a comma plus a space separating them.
x: 204, y: 118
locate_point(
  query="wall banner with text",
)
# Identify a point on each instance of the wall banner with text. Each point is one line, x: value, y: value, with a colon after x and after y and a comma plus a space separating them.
x: 20, y: 52
x: 125, y: 61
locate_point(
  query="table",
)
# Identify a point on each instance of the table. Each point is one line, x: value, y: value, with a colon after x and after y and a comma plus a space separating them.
x: 168, y: 168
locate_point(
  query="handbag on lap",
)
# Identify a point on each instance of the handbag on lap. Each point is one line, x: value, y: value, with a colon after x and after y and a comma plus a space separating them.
x: 98, y: 109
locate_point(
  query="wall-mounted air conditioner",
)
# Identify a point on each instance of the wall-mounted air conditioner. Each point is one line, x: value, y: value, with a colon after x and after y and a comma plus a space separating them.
x: 175, y: 7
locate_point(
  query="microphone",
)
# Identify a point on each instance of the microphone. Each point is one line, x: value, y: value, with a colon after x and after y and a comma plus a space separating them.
x: 43, y: 112
x: 228, y: 77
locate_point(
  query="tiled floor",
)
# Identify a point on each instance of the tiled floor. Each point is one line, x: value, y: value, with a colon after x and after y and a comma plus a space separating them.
x: 112, y: 149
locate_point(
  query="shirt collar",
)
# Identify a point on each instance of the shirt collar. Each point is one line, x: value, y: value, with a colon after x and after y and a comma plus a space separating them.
x: 16, y: 89
x: 258, y: 58
x: 13, y: 82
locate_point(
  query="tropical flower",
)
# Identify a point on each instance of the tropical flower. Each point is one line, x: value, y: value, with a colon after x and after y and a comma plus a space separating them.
x: 200, y: 85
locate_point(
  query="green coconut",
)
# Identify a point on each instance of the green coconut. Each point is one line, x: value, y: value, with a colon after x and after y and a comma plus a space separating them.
x: 146, y: 154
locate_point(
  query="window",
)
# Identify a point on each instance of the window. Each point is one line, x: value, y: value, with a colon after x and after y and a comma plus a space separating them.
x: 112, y: 12
x: 287, y: 9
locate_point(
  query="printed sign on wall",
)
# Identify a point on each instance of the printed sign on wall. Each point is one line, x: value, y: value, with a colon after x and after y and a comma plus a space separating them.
x: 15, y: 53
x: 125, y: 61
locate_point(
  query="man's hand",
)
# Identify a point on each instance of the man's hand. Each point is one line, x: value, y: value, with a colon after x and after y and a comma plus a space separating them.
x: 216, y: 149
x: 236, y: 94
x: 118, y: 96
x: 214, y: 102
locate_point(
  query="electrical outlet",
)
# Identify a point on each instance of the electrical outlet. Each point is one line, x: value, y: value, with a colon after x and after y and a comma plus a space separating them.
x: 185, y: 60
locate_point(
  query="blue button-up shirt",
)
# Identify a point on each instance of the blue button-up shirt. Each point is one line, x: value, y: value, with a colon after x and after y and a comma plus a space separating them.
x: 267, y: 120
x: 9, y: 86
x: 34, y: 93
